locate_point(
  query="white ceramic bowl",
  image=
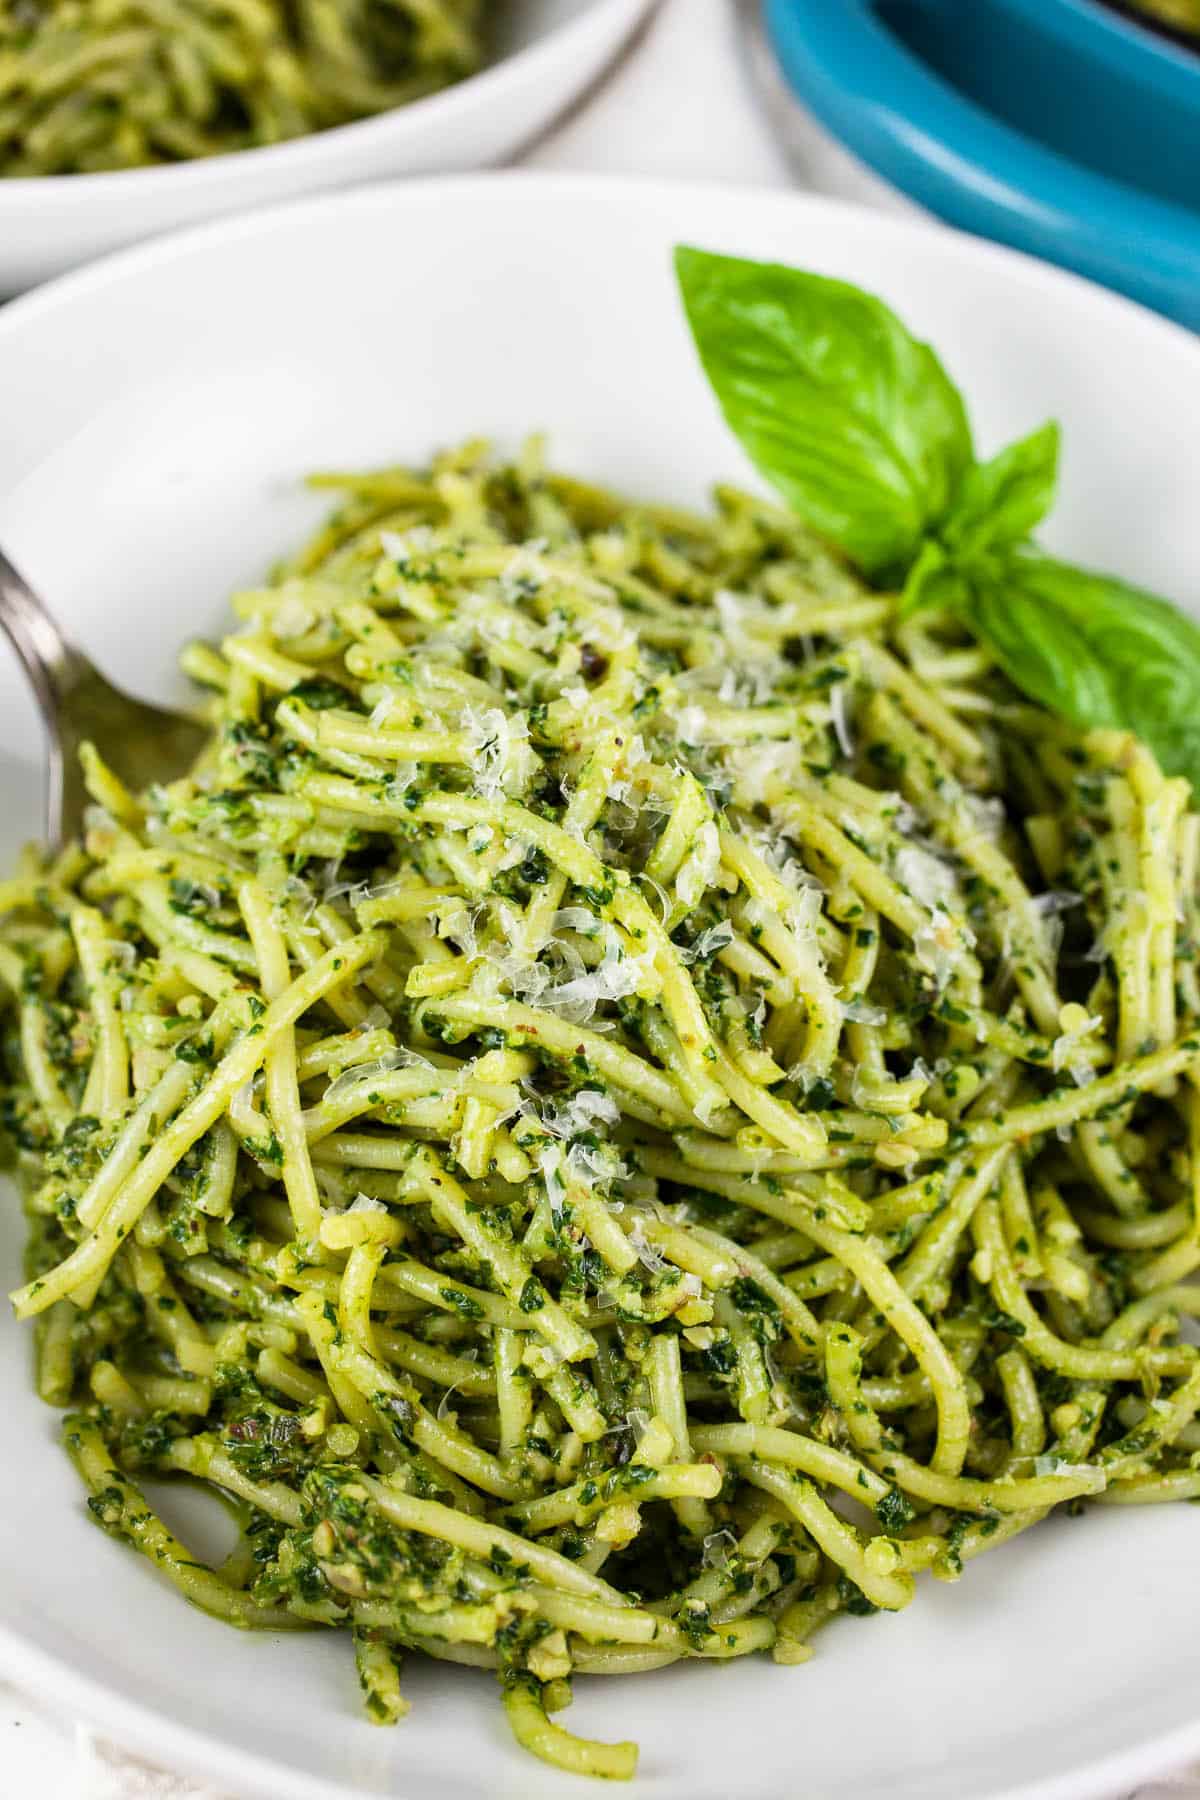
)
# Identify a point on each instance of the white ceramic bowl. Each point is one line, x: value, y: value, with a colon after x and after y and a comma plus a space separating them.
x: 545, y: 54
x: 139, y: 483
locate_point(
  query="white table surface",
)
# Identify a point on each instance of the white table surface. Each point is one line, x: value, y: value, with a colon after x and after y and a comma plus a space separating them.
x: 683, y: 102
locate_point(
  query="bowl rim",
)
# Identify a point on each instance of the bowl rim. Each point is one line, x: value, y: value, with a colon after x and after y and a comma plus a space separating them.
x: 1038, y: 271
x: 440, y: 108
x: 53, y: 1677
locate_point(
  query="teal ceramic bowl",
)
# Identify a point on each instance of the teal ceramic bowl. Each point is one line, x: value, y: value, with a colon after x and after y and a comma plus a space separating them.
x: 1062, y: 127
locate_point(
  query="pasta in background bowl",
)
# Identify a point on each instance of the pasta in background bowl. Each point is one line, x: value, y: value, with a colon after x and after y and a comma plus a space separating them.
x: 1178, y: 15
x: 117, y: 123
x: 145, y: 463
x: 92, y: 88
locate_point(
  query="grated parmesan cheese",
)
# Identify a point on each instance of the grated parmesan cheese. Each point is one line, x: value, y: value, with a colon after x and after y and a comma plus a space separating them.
x: 699, y: 868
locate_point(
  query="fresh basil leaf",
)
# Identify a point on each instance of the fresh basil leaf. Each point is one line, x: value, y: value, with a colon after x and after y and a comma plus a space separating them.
x: 1001, y: 501
x: 853, y: 420
x: 935, y: 579
x: 1097, y: 651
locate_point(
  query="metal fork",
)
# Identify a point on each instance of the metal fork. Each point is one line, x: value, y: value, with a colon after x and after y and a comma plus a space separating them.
x: 140, y: 743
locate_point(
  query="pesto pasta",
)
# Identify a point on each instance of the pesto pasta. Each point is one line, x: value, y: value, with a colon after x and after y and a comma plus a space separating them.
x: 89, y: 85
x: 634, y: 1102
x: 1181, y: 15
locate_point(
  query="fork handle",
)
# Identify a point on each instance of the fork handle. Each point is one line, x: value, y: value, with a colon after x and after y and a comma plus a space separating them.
x: 50, y: 660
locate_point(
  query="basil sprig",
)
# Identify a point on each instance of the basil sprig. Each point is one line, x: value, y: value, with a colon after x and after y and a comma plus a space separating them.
x: 857, y: 424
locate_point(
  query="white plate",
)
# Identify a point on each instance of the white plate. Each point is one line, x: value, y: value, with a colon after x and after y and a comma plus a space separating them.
x: 544, y: 55
x: 137, y: 485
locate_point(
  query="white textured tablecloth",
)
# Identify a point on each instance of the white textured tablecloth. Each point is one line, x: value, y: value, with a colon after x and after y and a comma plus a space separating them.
x: 680, y: 104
